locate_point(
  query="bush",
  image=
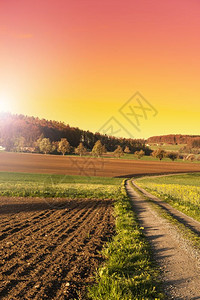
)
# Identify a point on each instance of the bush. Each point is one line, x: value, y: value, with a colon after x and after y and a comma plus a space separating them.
x: 172, y: 155
x: 190, y: 157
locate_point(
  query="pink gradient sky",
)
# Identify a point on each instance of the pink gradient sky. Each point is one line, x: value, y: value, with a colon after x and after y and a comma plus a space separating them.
x: 79, y: 61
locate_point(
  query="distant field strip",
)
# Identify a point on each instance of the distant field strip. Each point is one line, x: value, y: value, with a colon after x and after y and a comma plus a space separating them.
x: 108, y: 167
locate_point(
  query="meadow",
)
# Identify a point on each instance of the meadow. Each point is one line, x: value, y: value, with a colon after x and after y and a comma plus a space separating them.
x: 44, y: 185
x: 167, y: 147
x: 181, y: 191
x: 154, y: 159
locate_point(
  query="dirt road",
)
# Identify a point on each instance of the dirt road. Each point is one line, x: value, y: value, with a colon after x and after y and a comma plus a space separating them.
x: 88, y: 166
x: 48, y: 251
x: 180, y: 267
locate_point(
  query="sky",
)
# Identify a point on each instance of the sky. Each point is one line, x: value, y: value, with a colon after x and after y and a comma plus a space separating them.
x: 122, y: 67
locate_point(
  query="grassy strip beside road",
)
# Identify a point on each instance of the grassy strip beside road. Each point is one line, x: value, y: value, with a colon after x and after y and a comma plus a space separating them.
x: 128, y: 272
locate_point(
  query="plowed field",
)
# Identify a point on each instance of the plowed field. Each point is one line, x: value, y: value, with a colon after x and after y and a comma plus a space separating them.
x: 50, y: 249
x: 88, y: 166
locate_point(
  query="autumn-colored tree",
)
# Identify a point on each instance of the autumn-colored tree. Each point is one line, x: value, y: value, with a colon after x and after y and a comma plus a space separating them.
x: 19, y: 144
x: 127, y: 150
x: 139, y: 154
x: 97, y: 150
x: 80, y: 150
x: 31, y: 128
x: 44, y: 145
x: 159, y: 153
x: 54, y: 146
x: 64, y: 146
x: 118, y: 152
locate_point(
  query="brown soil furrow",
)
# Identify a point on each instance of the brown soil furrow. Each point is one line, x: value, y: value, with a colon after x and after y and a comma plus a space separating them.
x: 37, y: 219
x: 47, y: 292
x: 72, y: 271
x: 30, y: 222
x: 20, y: 226
x: 18, y: 218
x: 179, y: 267
x: 42, y: 268
x: 26, y: 235
x: 43, y: 246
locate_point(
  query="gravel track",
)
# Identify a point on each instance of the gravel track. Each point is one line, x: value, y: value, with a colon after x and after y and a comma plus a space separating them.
x: 180, y: 269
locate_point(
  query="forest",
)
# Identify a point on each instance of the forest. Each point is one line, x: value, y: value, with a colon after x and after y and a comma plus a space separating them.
x: 190, y: 140
x: 22, y: 132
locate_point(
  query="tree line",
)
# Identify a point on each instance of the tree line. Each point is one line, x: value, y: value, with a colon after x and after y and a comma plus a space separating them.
x: 174, y: 139
x: 63, y: 146
x: 22, y: 133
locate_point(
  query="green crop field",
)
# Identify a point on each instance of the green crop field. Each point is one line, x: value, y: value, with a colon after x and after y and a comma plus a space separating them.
x: 167, y: 147
x: 192, y: 179
x: 150, y: 158
x: 181, y: 191
x: 42, y: 185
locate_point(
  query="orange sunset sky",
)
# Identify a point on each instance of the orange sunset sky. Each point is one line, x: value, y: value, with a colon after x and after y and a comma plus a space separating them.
x: 80, y: 61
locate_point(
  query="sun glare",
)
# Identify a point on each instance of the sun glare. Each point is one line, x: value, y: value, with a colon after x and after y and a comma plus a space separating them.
x: 4, y: 105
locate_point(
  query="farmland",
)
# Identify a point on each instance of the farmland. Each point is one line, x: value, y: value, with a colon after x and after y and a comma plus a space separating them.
x: 71, y: 236
x: 47, y: 253
x: 52, y: 232
x: 88, y: 166
x: 167, y: 147
x: 49, y: 246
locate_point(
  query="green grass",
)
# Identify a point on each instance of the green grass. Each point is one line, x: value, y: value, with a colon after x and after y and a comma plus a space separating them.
x: 146, y: 158
x: 150, y: 158
x: 180, y: 191
x: 44, y: 185
x: 30, y: 177
x: 192, y: 179
x: 128, y: 272
x: 167, y: 147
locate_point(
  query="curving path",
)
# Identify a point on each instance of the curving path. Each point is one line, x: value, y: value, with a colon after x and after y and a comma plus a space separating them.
x: 179, y: 264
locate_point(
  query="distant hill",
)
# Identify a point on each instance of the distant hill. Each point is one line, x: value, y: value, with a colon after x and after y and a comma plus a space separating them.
x: 174, y: 139
x: 28, y: 129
